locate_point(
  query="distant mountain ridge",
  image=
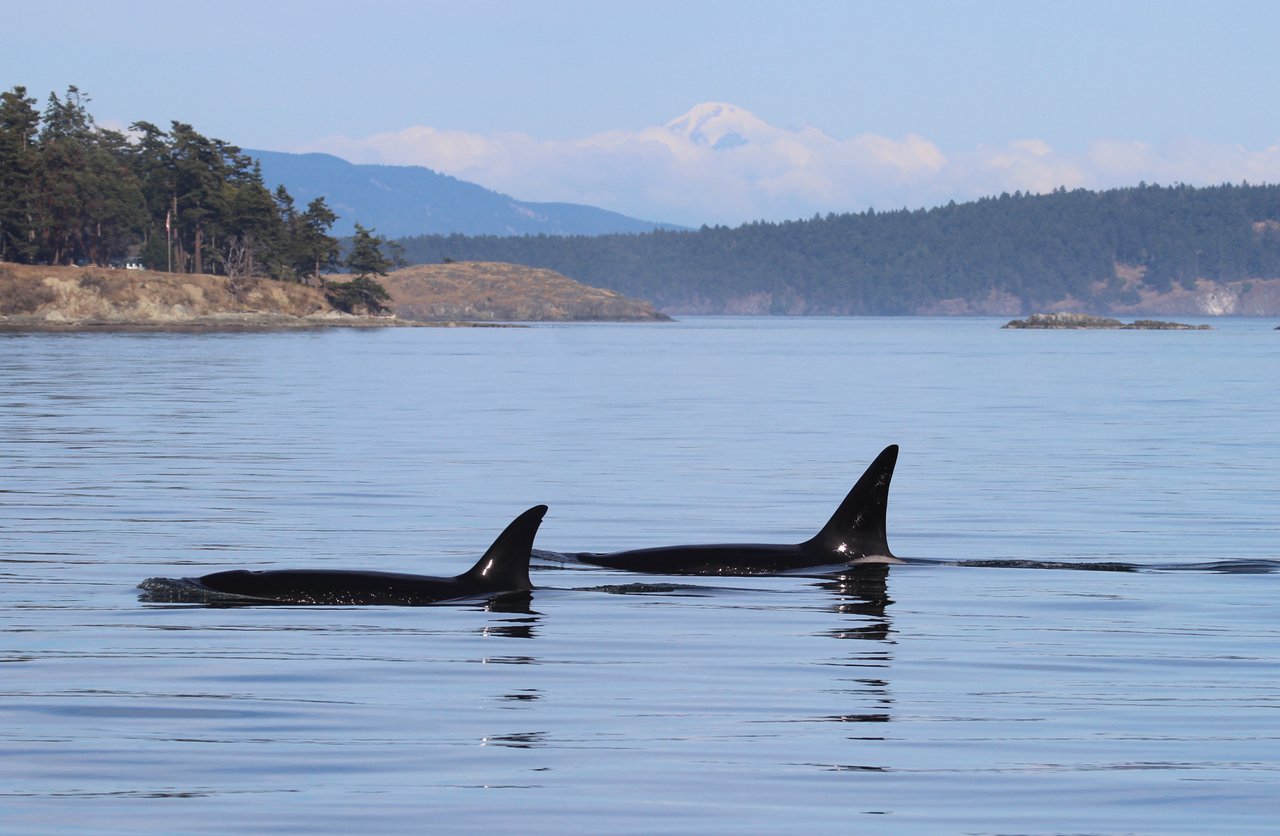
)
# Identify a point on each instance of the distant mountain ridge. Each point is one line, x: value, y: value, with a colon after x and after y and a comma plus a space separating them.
x: 401, y: 200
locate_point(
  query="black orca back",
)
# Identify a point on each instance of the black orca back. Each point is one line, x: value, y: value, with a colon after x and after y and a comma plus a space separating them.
x: 505, y: 566
x: 859, y: 528
x: 856, y: 532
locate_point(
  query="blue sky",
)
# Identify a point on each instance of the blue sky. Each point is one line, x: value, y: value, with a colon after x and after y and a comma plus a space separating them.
x: 863, y: 104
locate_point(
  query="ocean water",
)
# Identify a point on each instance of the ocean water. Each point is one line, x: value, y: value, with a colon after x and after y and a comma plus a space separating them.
x: 957, y: 693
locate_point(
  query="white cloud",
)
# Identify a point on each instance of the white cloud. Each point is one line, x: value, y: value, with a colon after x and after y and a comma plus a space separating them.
x: 1189, y: 160
x: 721, y: 164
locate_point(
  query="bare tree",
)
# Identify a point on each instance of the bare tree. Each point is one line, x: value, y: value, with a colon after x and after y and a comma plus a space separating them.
x: 239, y: 262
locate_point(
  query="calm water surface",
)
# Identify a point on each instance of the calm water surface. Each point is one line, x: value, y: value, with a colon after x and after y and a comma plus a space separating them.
x: 940, y: 698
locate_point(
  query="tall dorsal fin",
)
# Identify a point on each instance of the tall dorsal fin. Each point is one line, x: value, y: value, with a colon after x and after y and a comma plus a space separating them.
x: 858, y: 527
x: 505, y: 566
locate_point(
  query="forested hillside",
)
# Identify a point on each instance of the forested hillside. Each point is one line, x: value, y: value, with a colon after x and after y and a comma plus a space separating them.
x: 1100, y: 249
x: 72, y: 192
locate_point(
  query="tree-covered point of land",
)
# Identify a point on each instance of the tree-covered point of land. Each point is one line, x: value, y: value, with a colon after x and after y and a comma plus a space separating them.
x: 365, y: 260
x: 1036, y: 248
x: 74, y: 192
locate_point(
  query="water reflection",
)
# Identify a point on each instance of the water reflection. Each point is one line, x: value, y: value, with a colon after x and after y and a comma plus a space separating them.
x: 859, y: 718
x: 686, y: 590
x: 1246, y: 566
x: 512, y: 628
x: 861, y: 591
x: 862, y: 596
x: 511, y: 602
x: 521, y: 740
x: 522, y: 696
x: 170, y: 591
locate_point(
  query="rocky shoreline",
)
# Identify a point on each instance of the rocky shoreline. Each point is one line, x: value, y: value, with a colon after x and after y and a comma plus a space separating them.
x: 44, y: 298
x: 212, y: 322
x: 1076, y: 321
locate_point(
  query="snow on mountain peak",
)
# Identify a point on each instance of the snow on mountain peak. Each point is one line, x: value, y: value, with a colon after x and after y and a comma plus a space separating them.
x: 721, y: 126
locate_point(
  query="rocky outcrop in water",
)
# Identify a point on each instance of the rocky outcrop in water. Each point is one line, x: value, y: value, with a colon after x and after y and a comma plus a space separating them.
x: 1069, y: 321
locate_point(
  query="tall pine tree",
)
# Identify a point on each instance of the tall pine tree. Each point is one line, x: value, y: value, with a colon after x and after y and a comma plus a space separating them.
x: 19, y: 176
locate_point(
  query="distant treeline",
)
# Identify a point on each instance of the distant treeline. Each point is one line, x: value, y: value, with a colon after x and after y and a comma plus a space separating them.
x: 1036, y: 248
x: 73, y: 192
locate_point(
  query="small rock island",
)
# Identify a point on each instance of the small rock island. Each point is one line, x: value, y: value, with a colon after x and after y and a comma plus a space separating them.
x: 1069, y: 321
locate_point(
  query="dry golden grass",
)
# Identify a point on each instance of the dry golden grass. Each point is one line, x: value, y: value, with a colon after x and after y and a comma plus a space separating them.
x: 34, y: 295
x: 61, y: 297
x: 20, y: 295
x: 489, y: 291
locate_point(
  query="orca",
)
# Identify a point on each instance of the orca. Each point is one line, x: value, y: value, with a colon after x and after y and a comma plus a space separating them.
x: 504, y: 568
x: 855, y: 534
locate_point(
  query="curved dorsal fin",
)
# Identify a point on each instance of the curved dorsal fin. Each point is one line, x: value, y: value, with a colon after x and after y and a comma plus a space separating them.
x: 858, y: 527
x: 505, y: 566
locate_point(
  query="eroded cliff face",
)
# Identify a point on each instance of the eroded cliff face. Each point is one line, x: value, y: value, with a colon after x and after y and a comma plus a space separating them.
x: 1131, y: 297
x: 1126, y: 296
x: 1245, y: 298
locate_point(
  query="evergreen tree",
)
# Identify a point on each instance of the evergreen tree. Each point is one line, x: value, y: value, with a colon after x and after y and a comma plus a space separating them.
x: 92, y: 207
x: 316, y: 250
x: 71, y: 191
x: 19, y: 176
x: 197, y: 199
x: 114, y: 210
x: 151, y: 161
x: 65, y: 138
x: 365, y: 260
x: 251, y: 223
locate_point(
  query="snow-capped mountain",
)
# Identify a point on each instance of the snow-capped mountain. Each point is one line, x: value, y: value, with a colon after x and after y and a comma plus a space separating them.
x: 722, y: 126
